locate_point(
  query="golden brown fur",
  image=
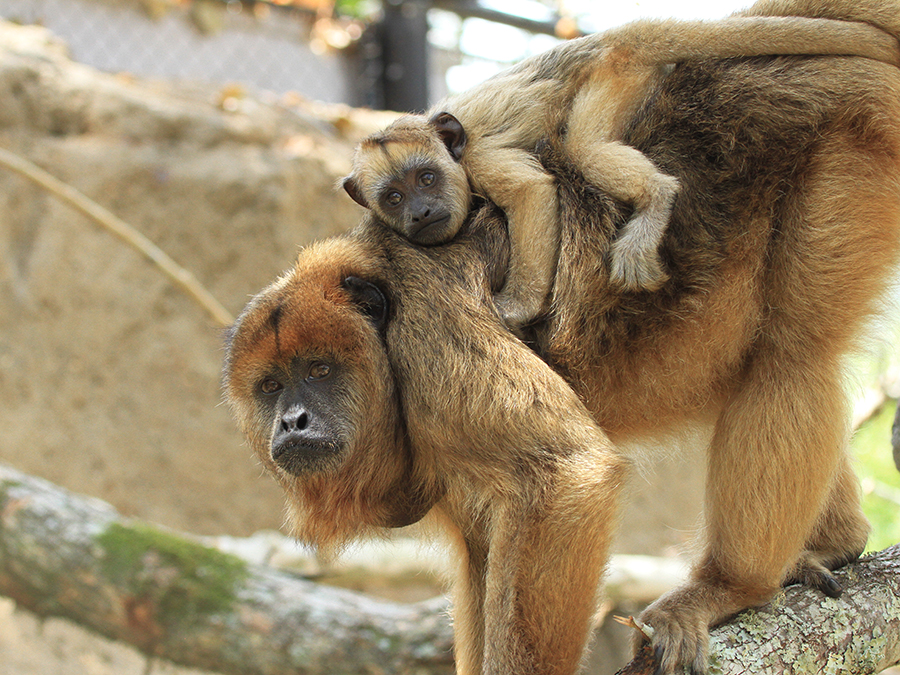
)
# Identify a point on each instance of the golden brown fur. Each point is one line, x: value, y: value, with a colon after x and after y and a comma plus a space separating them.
x: 782, y: 238
x: 590, y: 87
x: 780, y: 244
x: 506, y: 489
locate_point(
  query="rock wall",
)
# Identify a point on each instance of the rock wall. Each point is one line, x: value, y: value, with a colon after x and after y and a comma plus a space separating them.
x: 109, y: 375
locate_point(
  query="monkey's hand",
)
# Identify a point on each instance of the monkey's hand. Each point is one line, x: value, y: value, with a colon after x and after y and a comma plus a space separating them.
x: 680, y: 621
x: 527, y: 286
x: 514, y: 310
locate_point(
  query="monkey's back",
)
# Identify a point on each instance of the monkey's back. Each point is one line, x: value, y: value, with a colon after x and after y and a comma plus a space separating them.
x: 528, y: 101
x: 786, y: 230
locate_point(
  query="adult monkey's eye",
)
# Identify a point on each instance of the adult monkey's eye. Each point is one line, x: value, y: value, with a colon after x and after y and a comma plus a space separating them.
x: 319, y: 371
x: 426, y: 179
x: 270, y: 386
x: 393, y: 198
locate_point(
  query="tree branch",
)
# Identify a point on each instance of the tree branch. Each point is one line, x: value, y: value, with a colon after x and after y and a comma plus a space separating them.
x: 173, y: 597
x: 802, y: 631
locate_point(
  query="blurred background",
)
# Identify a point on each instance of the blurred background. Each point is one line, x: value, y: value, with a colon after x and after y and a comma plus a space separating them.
x: 218, y: 129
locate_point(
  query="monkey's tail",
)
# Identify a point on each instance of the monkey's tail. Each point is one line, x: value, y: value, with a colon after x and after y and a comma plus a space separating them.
x: 883, y: 14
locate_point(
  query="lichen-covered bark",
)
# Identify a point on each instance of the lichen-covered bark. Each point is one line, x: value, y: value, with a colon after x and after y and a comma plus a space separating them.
x: 69, y: 556
x: 803, y: 632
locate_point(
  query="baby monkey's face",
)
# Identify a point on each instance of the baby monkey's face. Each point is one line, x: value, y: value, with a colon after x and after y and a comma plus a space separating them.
x: 410, y: 176
x: 426, y: 202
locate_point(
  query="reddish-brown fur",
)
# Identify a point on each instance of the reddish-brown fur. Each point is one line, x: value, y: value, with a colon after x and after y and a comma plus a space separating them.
x: 315, y: 313
x: 785, y: 233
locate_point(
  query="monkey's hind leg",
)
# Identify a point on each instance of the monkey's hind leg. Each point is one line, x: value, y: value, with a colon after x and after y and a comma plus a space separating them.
x: 839, y: 536
x: 774, y: 455
x: 634, y: 262
x: 625, y: 173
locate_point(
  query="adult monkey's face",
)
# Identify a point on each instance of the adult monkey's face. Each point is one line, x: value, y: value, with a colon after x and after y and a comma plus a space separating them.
x: 309, y: 383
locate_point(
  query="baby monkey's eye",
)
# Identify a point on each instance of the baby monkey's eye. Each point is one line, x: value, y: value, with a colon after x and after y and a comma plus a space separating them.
x: 393, y: 198
x: 270, y: 386
x: 319, y: 371
x: 426, y: 179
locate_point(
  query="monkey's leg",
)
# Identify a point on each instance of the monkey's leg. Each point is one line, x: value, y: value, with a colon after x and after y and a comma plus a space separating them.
x: 545, y: 566
x: 468, y: 606
x: 627, y: 175
x: 515, y: 181
x: 839, y: 536
x: 775, y: 451
x: 623, y: 172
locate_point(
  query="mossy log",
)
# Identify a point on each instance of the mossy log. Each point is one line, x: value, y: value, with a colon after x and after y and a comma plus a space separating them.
x: 171, y: 597
x: 175, y: 598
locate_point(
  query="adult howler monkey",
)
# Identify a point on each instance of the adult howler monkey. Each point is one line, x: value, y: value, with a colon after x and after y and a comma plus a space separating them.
x: 377, y: 384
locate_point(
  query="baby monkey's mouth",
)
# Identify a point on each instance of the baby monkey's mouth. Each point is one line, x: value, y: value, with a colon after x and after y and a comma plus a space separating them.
x: 433, y: 231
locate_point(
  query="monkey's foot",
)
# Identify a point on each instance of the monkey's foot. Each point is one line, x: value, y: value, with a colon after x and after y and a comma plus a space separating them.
x: 810, y: 572
x: 680, y: 634
x: 680, y: 621
x: 813, y: 568
x: 635, y: 264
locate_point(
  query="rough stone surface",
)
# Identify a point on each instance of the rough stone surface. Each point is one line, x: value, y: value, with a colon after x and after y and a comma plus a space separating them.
x: 109, y: 376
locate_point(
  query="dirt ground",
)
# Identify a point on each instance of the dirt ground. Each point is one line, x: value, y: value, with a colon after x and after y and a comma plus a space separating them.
x: 29, y: 646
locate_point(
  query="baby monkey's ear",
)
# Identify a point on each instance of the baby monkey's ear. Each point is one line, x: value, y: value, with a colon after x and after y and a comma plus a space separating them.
x: 352, y: 188
x: 451, y: 132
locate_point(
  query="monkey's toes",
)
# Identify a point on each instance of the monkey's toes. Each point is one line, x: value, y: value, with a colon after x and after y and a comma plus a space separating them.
x: 680, y: 621
x: 680, y: 639
x: 635, y: 264
x: 812, y: 574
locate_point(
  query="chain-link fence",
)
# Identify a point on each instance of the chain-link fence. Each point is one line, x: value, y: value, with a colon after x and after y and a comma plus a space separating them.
x: 281, y: 49
x: 271, y: 48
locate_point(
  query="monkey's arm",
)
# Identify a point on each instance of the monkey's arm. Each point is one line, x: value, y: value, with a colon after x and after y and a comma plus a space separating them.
x: 551, y: 518
x: 656, y: 42
x: 546, y: 564
x: 529, y: 569
x: 533, y: 482
x: 515, y: 181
